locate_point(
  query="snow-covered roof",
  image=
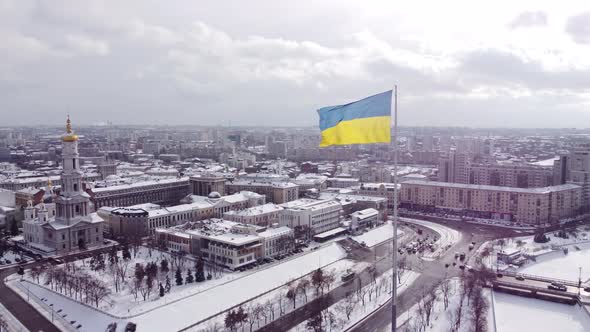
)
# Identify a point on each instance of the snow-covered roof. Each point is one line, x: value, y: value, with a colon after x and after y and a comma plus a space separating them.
x: 540, y: 190
x: 141, y: 184
x: 256, y: 210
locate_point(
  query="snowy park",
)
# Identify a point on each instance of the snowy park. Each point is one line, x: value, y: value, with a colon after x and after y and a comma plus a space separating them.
x: 560, y: 265
x: 454, y: 305
x: 166, y: 313
x: 358, y: 304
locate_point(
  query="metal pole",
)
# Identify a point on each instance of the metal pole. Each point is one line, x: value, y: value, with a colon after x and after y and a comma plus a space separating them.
x: 395, y: 216
x: 580, y: 282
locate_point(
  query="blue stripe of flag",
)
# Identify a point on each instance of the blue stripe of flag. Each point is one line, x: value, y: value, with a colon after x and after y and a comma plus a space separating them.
x: 377, y: 105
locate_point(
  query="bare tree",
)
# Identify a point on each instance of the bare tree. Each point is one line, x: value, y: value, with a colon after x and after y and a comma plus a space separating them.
x: 429, y: 298
x: 479, y: 311
x: 446, y: 289
x: 302, y: 287
x: 349, y: 305
x: 281, y: 303
x: 361, y: 293
x: 328, y: 281
x: 270, y: 308
x: 292, y: 295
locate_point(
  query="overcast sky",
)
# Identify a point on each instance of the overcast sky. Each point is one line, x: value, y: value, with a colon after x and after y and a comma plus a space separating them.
x: 466, y: 63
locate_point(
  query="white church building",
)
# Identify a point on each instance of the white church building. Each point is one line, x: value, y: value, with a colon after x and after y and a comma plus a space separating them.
x: 66, y: 224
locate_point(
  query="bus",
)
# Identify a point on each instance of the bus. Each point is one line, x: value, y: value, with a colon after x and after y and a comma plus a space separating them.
x: 348, y: 276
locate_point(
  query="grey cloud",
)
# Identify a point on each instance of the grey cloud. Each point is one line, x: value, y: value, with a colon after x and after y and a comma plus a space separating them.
x: 198, y: 66
x: 502, y: 69
x: 529, y: 19
x: 578, y: 27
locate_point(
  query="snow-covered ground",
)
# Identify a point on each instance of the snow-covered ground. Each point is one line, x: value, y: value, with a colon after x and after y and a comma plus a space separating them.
x: 270, y: 302
x: 360, y: 310
x: 378, y: 235
x: 517, y: 314
x: 67, y: 309
x: 448, y: 237
x: 173, y: 316
x: 440, y: 320
x: 561, y: 266
x: 526, y: 244
x: 124, y: 303
x: 11, y: 256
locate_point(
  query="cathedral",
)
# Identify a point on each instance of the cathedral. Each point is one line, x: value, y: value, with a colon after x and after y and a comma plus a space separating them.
x: 67, y: 223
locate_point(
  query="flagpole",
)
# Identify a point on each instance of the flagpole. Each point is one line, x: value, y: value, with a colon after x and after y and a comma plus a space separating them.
x: 395, y: 215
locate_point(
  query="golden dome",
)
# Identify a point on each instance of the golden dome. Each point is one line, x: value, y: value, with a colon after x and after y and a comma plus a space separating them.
x: 70, y: 136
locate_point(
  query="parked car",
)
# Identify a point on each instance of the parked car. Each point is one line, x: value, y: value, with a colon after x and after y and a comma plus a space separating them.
x: 587, y: 289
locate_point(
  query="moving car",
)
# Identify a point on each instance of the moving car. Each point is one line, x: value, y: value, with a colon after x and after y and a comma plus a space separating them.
x: 557, y: 286
x: 519, y: 277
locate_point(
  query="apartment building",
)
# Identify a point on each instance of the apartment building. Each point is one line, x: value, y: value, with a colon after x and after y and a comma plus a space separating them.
x: 533, y: 206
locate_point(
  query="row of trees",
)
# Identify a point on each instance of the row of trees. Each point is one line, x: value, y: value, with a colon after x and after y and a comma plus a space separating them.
x: 71, y: 281
x: 336, y: 317
x: 259, y: 311
x: 471, y: 308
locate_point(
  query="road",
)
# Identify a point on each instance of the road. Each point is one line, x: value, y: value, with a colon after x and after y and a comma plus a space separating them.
x: 20, y: 308
x: 434, y: 272
x: 378, y: 254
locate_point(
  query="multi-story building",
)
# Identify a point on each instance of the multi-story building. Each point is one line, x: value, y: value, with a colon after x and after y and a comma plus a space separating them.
x: 158, y: 191
x: 452, y: 167
x: 275, y: 191
x: 574, y: 168
x: 204, y: 184
x: 16, y: 184
x: 534, y: 206
x: 363, y: 219
x: 343, y: 182
x: 385, y: 190
x: 262, y: 215
x: 227, y: 243
x: 510, y: 175
x: 459, y: 168
x: 310, y: 217
x: 68, y: 223
x: 107, y: 168
x: 145, y: 219
x: 354, y: 202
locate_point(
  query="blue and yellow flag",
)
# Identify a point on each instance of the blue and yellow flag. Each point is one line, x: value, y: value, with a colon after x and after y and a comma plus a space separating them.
x: 360, y: 122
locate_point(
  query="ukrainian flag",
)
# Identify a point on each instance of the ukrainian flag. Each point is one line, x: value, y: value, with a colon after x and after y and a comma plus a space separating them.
x: 360, y: 122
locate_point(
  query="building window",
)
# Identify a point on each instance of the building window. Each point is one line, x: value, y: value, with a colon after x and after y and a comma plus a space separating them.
x: 63, y: 236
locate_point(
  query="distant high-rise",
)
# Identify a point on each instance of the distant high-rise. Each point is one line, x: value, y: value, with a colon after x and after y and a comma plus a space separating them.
x: 574, y: 168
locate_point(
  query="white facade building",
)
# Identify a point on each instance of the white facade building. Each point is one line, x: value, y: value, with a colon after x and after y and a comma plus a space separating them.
x: 67, y: 224
x: 311, y: 216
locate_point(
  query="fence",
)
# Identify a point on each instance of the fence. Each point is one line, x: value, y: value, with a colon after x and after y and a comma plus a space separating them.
x: 50, y: 313
x: 204, y: 320
x: 541, y: 278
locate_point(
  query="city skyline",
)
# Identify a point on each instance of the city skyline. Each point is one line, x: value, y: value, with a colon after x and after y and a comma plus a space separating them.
x: 519, y: 65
